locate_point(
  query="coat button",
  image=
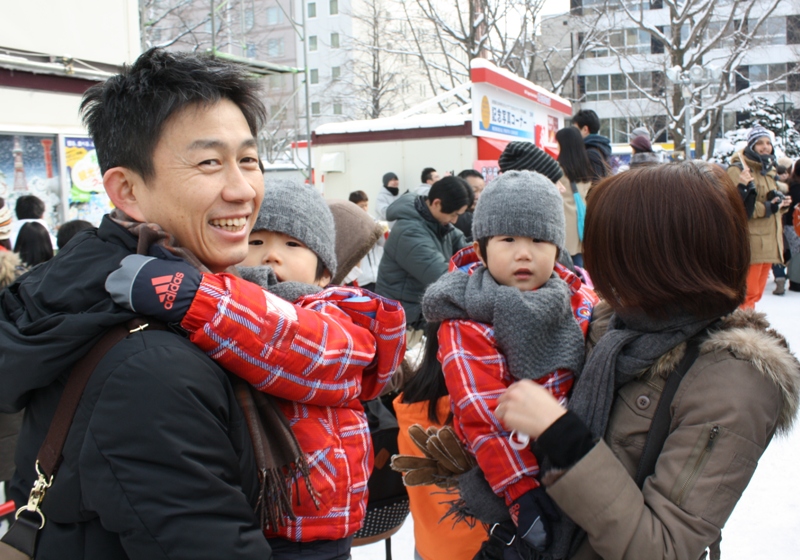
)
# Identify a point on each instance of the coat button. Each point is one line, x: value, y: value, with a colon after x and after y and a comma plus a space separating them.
x: 643, y: 402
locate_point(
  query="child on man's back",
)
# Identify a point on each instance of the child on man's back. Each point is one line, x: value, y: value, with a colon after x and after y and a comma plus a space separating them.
x: 320, y: 356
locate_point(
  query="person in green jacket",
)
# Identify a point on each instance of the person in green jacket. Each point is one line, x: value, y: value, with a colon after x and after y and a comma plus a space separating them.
x: 421, y: 243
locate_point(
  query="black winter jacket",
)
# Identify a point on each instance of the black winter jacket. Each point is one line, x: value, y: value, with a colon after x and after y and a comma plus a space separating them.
x: 158, y: 463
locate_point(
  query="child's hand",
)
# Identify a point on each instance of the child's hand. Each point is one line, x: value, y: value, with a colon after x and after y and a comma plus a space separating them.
x: 528, y: 408
x: 159, y: 288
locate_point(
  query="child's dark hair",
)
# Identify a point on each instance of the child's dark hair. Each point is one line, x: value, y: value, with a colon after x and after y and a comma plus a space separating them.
x: 68, y: 230
x: 428, y: 382
x: 358, y: 196
x: 321, y: 270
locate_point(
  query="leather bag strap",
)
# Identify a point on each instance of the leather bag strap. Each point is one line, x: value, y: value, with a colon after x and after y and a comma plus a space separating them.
x: 659, y: 427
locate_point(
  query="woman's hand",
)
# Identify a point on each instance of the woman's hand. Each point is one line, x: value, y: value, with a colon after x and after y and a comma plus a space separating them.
x: 528, y: 408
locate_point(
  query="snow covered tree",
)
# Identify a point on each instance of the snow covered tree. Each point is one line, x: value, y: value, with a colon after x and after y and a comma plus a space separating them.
x: 763, y: 112
x: 696, y: 33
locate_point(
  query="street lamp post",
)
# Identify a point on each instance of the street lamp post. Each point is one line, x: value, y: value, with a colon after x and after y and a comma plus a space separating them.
x: 686, y: 77
x: 784, y: 106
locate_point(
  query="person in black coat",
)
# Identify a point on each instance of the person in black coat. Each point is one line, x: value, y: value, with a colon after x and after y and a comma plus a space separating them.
x: 158, y: 463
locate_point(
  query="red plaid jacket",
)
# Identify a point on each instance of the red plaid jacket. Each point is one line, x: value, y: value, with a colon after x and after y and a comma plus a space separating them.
x: 320, y: 356
x: 476, y: 374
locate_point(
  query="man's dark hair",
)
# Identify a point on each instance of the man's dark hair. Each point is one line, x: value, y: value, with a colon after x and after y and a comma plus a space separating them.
x: 427, y: 174
x: 470, y: 173
x: 647, y: 252
x: 358, y: 196
x: 125, y: 115
x: 68, y: 230
x: 454, y: 193
x: 29, y: 207
x: 33, y: 244
x: 587, y: 117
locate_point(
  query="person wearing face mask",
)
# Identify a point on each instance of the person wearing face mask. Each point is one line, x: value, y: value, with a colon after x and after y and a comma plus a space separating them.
x: 753, y: 170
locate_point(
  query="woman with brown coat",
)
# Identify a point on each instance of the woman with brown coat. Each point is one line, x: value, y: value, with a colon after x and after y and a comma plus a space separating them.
x: 673, y: 276
x: 756, y: 165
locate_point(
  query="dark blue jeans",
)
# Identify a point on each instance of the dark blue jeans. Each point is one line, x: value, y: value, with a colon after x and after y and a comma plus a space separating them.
x: 778, y: 271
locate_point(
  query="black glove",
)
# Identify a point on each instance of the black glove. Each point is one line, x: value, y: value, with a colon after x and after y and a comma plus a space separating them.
x: 533, y: 514
x: 159, y: 288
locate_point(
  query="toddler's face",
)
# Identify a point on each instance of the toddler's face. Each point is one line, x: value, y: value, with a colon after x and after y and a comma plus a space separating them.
x: 291, y: 260
x: 519, y: 262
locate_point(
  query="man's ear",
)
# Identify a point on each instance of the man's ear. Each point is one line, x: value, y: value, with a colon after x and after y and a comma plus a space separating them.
x: 122, y: 186
x: 477, y: 248
x: 436, y: 203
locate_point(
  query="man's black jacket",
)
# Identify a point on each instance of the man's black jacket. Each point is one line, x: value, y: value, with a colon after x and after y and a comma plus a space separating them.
x: 158, y: 463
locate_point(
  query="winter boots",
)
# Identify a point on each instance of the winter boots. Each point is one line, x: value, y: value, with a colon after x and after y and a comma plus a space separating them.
x: 780, y: 286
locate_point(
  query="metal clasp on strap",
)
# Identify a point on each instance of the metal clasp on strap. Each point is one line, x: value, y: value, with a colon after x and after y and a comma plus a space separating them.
x: 37, y: 495
x: 500, y: 537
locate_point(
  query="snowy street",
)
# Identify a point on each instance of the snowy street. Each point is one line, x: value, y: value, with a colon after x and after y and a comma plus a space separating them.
x: 766, y: 521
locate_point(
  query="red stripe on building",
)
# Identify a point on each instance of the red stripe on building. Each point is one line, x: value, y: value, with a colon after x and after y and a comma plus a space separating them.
x: 504, y: 82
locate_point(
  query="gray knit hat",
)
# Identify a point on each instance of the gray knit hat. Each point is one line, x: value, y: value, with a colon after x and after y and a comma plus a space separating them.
x: 520, y: 203
x: 757, y: 132
x: 299, y: 211
x: 524, y: 156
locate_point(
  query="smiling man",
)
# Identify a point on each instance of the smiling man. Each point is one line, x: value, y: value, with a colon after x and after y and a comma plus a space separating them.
x: 158, y: 462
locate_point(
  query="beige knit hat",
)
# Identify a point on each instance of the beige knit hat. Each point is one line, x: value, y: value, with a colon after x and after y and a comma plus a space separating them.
x: 5, y: 221
x: 356, y: 235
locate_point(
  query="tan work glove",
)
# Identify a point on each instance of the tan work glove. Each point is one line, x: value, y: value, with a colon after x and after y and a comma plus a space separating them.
x: 444, y: 458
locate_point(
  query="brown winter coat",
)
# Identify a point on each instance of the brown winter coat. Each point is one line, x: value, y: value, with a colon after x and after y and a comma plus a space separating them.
x: 741, y: 390
x: 573, y: 243
x: 766, y: 233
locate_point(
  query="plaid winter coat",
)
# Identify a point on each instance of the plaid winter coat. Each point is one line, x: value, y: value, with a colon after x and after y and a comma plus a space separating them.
x: 476, y: 374
x: 320, y: 357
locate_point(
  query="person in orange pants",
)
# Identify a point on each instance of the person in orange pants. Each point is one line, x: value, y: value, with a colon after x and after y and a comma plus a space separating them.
x: 757, y: 278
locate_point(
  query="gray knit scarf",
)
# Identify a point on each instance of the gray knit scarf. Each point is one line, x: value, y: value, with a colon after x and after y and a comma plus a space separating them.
x: 265, y: 277
x: 536, y: 331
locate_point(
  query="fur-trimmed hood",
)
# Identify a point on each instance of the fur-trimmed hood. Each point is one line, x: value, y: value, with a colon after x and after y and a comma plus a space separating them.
x: 10, y: 268
x: 748, y: 336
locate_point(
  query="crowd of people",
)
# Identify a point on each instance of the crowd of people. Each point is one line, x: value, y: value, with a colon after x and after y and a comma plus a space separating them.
x: 594, y: 380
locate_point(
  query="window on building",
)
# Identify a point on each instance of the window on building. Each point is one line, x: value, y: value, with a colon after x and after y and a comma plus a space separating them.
x: 314, y: 75
x: 315, y: 108
x: 334, y: 40
x: 156, y: 34
x: 276, y: 80
x: 249, y: 19
x: 793, y: 30
x: 334, y: 7
x: 274, y: 110
x: 312, y: 43
x: 771, y: 32
x: 597, y: 88
x: 208, y: 26
x: 251, y: 50
x: 312, y: 9
x: 760, y: 73
x: 274, y: 15
x: 337, y: 108
x: 275, y: 47
x: 336, y: 72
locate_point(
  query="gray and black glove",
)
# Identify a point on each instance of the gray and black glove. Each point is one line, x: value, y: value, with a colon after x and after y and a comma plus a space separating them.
x: 162, y: 288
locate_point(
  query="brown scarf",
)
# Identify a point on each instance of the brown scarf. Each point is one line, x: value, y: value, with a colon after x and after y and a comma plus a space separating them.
x: 279, y: 459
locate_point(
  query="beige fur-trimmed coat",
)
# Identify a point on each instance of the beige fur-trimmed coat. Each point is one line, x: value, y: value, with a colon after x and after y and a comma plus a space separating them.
x: 742, y: 389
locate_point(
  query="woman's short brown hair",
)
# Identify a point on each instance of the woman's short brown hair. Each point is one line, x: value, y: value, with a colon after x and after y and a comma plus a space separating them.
x: 668, y: 237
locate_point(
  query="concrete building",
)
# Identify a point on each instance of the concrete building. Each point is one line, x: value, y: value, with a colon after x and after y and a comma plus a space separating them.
x: 612, y: 79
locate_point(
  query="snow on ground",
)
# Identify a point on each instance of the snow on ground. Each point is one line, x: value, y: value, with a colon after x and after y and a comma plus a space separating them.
x: 765, y: 523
